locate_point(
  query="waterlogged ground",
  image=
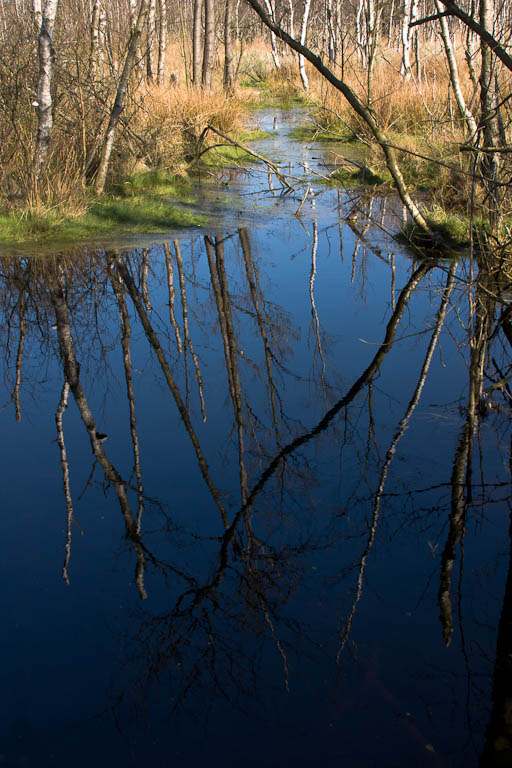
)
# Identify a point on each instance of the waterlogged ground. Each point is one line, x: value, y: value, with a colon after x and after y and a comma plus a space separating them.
x: 256, y: 492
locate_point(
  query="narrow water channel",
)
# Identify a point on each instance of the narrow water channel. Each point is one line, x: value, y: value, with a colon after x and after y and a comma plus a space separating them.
x: 256, y: 491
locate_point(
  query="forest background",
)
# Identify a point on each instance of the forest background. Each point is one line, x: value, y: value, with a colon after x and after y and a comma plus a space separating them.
x: 108, y: 104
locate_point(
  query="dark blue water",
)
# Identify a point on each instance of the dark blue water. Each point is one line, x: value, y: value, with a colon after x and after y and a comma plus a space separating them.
x: 322, y: 560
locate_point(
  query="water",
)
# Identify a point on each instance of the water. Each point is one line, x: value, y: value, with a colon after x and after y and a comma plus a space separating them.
x: 313, y: 571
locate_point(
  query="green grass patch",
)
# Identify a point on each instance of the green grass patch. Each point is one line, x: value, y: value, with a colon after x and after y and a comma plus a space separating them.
x: 139, y: 205
x: 253, y: 134
x: 220, y: 157
x: 452, y: 229
x: 158, y: 183
x: 355, y: 177
x: 269, y: 99
x: 312, y: 132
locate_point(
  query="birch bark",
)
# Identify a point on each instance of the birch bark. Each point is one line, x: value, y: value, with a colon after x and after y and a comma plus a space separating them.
x: 273, y: 39
x: 196, y: 43
x: 454, y: 74
x: 44, y: 84
x: 209, y: 42
x: 303, y: 33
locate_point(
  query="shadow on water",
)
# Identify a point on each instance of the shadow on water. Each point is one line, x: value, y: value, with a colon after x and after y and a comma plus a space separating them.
x: 302, y: 437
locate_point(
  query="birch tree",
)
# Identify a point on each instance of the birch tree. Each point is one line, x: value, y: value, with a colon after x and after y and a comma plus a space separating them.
x: 196, y: 42
x: 118, y: 106
x: 409, y: 10
x: 303, y: 33
x: 464, y: 110
x: 209, y: 43
x: 273, y: 40
x: 229, y: 77
x: 162, y: 40
x: 44, y: 86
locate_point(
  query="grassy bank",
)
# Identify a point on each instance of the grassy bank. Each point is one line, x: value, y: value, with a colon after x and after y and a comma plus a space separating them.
x: 149, y: 188
x: 141, y: 204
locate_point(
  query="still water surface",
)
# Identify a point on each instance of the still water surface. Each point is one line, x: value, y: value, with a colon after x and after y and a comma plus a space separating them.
x: 292, y: 546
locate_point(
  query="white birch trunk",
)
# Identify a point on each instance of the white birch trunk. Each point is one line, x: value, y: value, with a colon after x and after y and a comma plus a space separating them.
x: 303, y: 33
x: 409, y: 15
x: 291, y: 18
x: 454, y: 74
x: 44, y: 82
x: 38, y: 13
x: 162, y: 41
x: 196, y: 43
x: 273, y: 39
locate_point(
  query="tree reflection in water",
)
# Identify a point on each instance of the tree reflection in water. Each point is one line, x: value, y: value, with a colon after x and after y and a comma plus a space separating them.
x: 250, y: 578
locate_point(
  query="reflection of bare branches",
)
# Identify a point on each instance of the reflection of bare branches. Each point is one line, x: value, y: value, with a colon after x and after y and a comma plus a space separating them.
x: 390, y: 454
x: 316, y: 322
x: 188, y: 340
x: 19, y: 355
x: 155, y: 343
x: 461, y: 494
x: 144, y: 279
x: 393, y: 279
x: 220, y: 289
x: 65, y: 476
x: 127, y: 363
x: 249, y: 271
x: 322, y: 425
x: 72, y: 374
x: 172, y: 295
x: 340, y: 222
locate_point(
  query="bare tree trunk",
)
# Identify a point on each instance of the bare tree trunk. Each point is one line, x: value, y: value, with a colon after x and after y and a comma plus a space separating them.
x: 273, y: 40
x: 133, y: 13
x: 196, y: 43
x: 291, y: 18
x: 117, y: 109
x: 162, y: 40
x: 303, y: 33
x: 150, y: 42
x: 209, y: 42
x: 489, y: 117
x: 229, y: 77
x: 38, y: 14
x: 409, y: 8
x: 454, y: 75
x: 44, y: 82
x: 94, y: 33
